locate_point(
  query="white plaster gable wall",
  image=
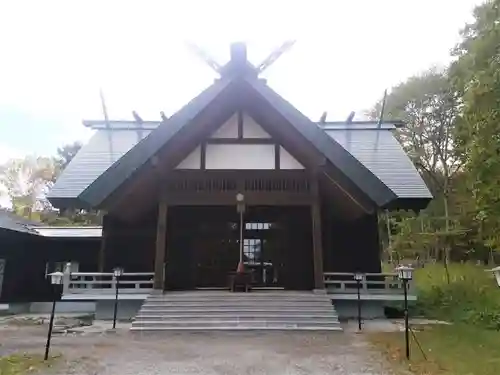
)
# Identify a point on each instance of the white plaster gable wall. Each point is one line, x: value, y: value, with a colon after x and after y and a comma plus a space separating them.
x: 233, y: 156
x: 253, y: 130
x: 192, y: 161
x: 287, y: 161
x: 229, y: 129
x: 240, y: 156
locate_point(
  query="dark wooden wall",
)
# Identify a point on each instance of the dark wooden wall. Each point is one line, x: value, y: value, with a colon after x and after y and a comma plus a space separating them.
x: 26, y: 259
x: 350, y: 246
x: 130, y: 244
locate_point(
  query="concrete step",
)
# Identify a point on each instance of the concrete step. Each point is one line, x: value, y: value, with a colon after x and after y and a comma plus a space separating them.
x: 240, y: 328
x: 262, y: 324
x: 259, y: 293
x: 238, y: 318
x: 319, y: 304
x: 238, y: 311
x: 236, y: 295
x: 235, y: 298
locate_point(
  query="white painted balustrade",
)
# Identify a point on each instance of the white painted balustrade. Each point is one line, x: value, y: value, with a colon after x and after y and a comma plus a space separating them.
x: 103, y: 283
x: 372, y: 283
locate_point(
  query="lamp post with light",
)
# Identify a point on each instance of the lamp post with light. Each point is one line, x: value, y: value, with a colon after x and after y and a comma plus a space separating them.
x: 359, y: 277
x: 117, y: 273
x: 56, y: 278
x: 405, y: 274
x: 240, y: 207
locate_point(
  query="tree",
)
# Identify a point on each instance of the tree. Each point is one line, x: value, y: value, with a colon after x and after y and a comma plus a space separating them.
x: 476, y: 75
x: 429, y: 105
x: 26, y: 182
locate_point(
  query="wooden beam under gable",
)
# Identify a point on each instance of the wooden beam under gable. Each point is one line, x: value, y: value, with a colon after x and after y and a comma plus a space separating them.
x: 161, y: 244
x: 240, y: 124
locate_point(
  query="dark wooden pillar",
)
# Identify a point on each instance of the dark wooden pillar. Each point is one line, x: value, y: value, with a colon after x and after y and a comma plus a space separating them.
x: 317, y: 236
x: 161, y: 239
x: 102, y: 250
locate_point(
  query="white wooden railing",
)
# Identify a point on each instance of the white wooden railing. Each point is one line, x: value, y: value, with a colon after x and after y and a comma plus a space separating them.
x: 373, y: 283
x: 99, y: 283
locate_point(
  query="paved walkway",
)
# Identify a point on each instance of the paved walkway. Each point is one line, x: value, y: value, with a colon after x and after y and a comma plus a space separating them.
x: 227, y: 353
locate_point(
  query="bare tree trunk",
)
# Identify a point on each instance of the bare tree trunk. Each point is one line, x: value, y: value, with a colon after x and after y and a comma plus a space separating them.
x: 422, y: 231
x: 447, y: 231
x: 389, y: 239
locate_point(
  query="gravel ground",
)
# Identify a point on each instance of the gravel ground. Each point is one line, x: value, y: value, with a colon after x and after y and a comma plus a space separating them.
x: 127, y: 353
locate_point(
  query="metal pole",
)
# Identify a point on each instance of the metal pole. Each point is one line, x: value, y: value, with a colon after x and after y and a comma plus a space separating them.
x: 407, y: 338
x: 359, y: 304
x: 51, y: 324
x: 241, y: 235
x: 116, y: 301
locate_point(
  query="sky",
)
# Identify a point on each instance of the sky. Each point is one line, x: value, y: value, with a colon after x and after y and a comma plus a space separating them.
x: 56, y: 56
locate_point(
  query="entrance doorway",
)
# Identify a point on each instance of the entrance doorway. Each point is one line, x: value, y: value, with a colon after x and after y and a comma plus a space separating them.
x: 204, y: 246
x: 261, y: 253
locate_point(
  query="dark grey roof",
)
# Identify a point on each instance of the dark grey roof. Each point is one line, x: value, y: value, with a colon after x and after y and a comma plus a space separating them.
x: 119, y: 172
x: 103, y: 149
x: 13, y: 222
x: 352, y: 171
x: 120, y: 124
x: 382, y: 154
x: 355, y: 172
x: 378, y: 150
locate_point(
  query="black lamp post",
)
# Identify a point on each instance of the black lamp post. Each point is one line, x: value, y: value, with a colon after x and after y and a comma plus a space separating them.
x: 405, y: 274
x: 359, y: 277
x: 56, y: 278
x: 117, y: 273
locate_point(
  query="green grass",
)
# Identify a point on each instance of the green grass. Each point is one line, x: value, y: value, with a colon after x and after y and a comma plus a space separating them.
x: 21, y: 364
x: 471, y: 301
x: 450, y: 350
x: 471, y: 297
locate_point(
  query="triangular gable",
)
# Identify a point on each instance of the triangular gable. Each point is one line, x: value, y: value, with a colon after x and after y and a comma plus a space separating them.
x: 249, y: 145
x: 351, y: 173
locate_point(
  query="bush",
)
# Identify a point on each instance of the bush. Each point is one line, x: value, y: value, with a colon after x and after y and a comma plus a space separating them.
x: 472, y: 296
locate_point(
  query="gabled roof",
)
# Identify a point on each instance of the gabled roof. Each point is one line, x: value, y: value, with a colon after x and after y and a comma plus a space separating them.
x: 123, y: 168
x: 348, y: 165
x: 381, y: 153
x: 132, y: 161
x: 103, y: 149
x: 114, y: 155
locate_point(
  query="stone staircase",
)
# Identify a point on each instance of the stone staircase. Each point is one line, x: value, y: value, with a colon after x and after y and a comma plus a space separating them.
x: 223, y: 310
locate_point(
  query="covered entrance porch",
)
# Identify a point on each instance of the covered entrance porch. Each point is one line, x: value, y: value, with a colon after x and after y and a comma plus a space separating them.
x: 204, y: 246
x: 203, y: 232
